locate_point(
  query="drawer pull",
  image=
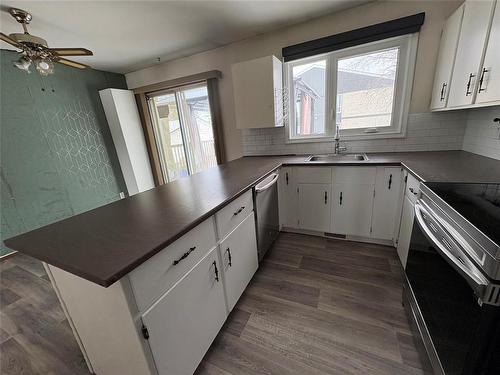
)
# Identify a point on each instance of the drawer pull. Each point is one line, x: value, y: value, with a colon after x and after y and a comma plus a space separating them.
x: 216, y: 272
x: 481, y: 89
x: 340, y: 199
x: 469, y: 82
x: 390, y: 181
x: 239, y: 210
x: 229, y: 257
x: 184, y: 256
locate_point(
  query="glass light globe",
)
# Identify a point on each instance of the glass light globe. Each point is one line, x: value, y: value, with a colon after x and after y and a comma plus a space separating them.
x: 23, y: 64
x: 44, y: 67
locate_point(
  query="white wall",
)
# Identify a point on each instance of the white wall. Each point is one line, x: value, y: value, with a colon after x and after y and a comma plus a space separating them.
x: 482, y: 135
x: 272, y: 43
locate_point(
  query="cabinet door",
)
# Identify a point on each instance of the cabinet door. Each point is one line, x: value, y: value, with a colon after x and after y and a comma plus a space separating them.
x: 405, y: 230
x: 239, y: 259
x: 314, y: 207
x: 257, y: 102
x: 489, y: 79
x: 471, y: 44
x: 287, y: 197
x: 387, y: 204
x: 446, y: 59
x: 352, y: 209
x: 184, y: 322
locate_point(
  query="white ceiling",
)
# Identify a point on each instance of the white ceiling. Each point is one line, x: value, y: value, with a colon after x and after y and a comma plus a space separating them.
x: 129, y: 35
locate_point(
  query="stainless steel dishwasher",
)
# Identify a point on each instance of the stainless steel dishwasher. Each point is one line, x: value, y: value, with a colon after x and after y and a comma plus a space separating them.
x: 265, y: 195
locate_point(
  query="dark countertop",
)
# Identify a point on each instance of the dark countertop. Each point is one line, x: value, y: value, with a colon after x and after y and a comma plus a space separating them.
x: 104, y: 244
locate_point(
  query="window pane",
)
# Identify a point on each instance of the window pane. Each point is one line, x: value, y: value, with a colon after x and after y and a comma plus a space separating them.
x: 169, y: 137
x: 198, y: 130
x: 365, y: 89
x: 309, y: 97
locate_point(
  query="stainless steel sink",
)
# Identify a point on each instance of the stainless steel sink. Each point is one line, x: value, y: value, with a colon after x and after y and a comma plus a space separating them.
x: 339, y: 158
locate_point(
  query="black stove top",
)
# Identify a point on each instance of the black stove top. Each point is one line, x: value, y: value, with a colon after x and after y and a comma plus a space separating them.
x: 478, y: 203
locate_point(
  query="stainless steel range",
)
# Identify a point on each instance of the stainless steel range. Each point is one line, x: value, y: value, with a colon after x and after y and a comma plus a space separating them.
x: 452, y: 286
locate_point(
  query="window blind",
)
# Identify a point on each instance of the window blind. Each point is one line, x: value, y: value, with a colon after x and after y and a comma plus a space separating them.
x: 372, y: 33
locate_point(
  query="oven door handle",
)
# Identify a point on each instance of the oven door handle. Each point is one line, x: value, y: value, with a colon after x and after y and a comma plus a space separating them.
x: 260, y: 189
x: 460, y: 262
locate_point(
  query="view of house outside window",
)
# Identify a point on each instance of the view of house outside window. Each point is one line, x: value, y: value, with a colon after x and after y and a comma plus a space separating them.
x: 365, y: 89
x: 309, y: 88
x: 361, y: 89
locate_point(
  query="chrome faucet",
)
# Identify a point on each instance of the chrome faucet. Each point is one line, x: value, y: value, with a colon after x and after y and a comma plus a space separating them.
x: 337, y: 148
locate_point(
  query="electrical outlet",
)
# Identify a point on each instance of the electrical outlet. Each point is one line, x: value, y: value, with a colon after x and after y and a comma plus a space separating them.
x: 122, y: 195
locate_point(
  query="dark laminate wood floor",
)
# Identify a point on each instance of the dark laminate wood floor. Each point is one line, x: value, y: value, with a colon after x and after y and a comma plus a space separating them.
x: 319, y: 306
x: 35, y: 337
x: 316, y: 306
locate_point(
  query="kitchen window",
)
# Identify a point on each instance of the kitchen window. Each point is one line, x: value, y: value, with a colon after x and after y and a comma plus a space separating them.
x: 364, y: 90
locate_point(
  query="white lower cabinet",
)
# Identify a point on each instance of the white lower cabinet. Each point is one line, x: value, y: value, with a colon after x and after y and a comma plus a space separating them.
x: 287, y: 197
x: 352, y: 200
x: 239, y: 259
x: 314, y: 205
x: 405, y: 229
x: 352, y: 209
x: 387, y: 203
x: 183, y: 323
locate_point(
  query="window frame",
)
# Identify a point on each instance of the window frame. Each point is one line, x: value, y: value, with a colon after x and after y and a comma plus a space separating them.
x: 407, y: 45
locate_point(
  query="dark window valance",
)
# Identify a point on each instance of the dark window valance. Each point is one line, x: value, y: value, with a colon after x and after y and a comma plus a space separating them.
x: 372, y: 33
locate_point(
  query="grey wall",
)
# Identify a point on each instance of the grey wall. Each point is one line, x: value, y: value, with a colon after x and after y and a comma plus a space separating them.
x: 57, y: 155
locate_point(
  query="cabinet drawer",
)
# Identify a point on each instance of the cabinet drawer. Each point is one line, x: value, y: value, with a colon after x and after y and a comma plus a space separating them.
x: 313, y: 175
x: 412, y: 188
x: 159, y: 273
x: 230, y: 216
x: 354, y: 175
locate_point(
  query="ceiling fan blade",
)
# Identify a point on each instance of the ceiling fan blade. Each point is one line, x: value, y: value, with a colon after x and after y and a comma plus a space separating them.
x: 9, y: 40
x: 71, y: 51
x: 72, y: 63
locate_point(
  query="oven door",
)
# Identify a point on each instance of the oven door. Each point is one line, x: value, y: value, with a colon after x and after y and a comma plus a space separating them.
x: 444, y: 285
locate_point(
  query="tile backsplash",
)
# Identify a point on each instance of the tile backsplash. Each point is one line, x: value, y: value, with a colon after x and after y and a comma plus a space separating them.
x: 425, y: 132
x: 482, y: 135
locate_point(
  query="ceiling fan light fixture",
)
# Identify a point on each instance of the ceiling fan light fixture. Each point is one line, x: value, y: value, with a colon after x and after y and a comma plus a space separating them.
x: 23, y: 64
x: 44, y: 66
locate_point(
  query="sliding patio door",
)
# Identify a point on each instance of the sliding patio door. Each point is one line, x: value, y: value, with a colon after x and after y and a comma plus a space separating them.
x: 183, y: 130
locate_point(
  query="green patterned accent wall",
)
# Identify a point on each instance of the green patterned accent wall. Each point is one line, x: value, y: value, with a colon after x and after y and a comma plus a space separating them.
x: 57, y: 154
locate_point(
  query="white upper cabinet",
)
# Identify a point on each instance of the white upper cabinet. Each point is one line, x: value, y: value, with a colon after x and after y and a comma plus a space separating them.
x: 446, y: 59
x: 489, y: 78
x: 258, y: 93
x: 467, y: 66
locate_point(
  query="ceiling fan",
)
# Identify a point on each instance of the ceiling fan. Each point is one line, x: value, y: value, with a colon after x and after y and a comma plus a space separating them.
x: 36, y: 51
